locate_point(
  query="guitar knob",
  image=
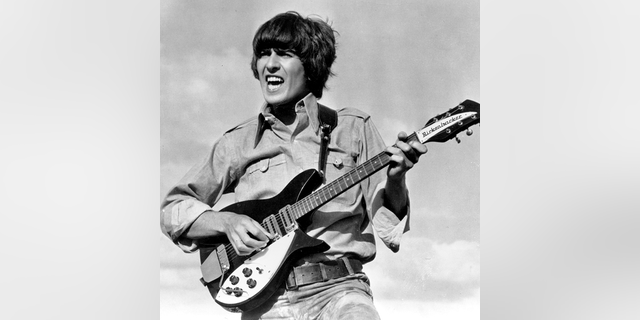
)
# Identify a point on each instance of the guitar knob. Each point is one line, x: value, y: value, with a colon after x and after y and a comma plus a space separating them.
x: 247, y: 272
x: 469, y: 131
x: 251, y: 283
x: 238, y: 291
x: 234, y: 280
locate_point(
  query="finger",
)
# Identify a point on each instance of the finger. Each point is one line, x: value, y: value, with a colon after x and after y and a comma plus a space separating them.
x: 401, y: 161
x: 260, y: 232
x: 252, y: 242
x: 418, y: 147
x: 408, y: 151
x: 402, y: 136
x: 239, y: 246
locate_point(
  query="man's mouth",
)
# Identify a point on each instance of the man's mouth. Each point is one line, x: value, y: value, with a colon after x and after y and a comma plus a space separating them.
x: 274, y: 83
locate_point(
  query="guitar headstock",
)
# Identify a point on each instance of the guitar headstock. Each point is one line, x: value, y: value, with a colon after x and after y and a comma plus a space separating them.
x: 447, y: 125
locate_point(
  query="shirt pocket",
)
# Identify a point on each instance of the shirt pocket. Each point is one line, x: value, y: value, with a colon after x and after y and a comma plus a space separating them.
x: 262, y: 179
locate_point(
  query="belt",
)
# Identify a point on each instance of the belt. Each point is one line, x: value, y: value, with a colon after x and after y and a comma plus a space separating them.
x: 322, y: 271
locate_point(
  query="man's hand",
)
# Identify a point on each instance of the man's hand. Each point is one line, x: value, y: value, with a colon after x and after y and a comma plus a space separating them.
x: 403, y: 156
x: 245, y: 234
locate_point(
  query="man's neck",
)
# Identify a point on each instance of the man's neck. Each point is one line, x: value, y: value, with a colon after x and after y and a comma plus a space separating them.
x: 285, y: 113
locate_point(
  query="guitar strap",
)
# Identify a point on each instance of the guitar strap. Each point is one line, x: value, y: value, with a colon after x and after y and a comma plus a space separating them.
x: 328, y: 121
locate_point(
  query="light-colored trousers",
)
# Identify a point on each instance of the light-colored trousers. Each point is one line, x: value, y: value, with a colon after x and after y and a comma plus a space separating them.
x: 343, y: 298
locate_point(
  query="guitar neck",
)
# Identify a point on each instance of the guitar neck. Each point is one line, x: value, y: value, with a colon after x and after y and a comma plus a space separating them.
x: 439, y: 129
x: 333, y: 189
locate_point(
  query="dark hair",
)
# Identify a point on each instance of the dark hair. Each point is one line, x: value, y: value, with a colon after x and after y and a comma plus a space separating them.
x: 311, y: 39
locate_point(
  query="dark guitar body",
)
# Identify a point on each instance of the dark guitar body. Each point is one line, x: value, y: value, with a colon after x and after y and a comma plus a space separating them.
x: 299, y: 187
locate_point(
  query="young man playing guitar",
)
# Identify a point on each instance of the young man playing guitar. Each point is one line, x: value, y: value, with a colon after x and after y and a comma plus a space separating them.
x: 292, y: 58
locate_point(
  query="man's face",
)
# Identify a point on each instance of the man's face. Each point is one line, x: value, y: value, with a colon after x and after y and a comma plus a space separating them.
x: 281, y: 76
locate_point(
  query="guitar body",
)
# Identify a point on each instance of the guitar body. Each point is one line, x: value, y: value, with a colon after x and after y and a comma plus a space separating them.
x: 250, y: 280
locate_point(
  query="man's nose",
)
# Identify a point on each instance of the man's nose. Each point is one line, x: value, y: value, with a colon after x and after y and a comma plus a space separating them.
x: 273, y: 62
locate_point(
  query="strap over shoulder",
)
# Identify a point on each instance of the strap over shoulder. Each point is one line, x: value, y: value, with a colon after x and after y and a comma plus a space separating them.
x: 328, y: 121
x: 328, y: 117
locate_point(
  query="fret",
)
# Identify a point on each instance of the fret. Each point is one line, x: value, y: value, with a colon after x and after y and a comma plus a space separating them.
x: 332, y: 187
x: 307, y: 205
x: 346, y: 179
x: 299, y: 212
x: 341, y: 180
x: 368, y: 167
x: 291, y: 213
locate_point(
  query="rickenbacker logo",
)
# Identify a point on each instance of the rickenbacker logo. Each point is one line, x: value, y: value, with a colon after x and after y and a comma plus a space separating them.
x: 428, y: 132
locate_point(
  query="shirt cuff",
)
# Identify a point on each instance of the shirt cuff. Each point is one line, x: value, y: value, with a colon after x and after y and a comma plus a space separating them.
x: 386, y: 224
x: 182, y: 216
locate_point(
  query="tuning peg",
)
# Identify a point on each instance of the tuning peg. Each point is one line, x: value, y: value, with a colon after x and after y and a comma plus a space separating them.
x: 469, y: 131
x: 457, y: 139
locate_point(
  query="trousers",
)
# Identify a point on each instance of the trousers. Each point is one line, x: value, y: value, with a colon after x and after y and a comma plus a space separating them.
x: 348, y: 297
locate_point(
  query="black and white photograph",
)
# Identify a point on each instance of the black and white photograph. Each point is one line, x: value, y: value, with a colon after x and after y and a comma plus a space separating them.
x: 243, y: 88
x: 319, y: 159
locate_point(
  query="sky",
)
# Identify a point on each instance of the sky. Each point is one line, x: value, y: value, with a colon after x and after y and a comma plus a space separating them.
x: 79, y: 128
x: 400, y: 63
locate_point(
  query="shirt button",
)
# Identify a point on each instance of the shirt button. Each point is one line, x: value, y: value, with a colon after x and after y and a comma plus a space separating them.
x: 337, y: 163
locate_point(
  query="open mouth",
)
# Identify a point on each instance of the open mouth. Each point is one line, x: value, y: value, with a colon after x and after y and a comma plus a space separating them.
x: 274, y: 83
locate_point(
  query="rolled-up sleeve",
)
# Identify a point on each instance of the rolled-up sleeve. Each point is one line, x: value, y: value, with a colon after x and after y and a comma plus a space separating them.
x: 196, y: 192
x: 385, y: 222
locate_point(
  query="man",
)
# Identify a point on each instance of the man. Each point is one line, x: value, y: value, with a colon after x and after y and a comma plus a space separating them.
x: 292, y: 58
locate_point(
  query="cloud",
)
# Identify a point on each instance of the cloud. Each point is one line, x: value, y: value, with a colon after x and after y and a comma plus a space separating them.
x: 178, y: 270
x: 467, y: 308
x: 455, y: 262
x: 427, y: 270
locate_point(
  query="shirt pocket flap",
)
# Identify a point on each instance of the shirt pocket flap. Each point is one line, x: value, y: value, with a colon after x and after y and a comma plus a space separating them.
x: 340, y: 162
x: 264, y: 164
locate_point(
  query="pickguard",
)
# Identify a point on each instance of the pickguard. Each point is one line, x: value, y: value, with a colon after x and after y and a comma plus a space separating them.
x: 255, y: 273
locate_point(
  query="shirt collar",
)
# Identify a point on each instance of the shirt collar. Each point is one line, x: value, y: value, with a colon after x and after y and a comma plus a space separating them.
x: 309, y: 104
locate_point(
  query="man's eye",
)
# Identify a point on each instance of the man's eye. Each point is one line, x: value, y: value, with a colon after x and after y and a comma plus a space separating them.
x: 285, y: 53
x: 264, y: 53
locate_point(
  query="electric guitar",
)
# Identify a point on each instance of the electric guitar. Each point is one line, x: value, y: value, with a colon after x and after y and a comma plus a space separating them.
x: 241, y: 283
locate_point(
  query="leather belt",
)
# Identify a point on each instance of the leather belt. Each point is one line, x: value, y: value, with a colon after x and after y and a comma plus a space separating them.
x: 322, y: 271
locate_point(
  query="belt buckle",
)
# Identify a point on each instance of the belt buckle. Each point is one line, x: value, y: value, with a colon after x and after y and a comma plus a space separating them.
x: 291, y: 283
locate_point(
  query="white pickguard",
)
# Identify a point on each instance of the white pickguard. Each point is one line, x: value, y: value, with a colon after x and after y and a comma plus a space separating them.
x: 262, y: 267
